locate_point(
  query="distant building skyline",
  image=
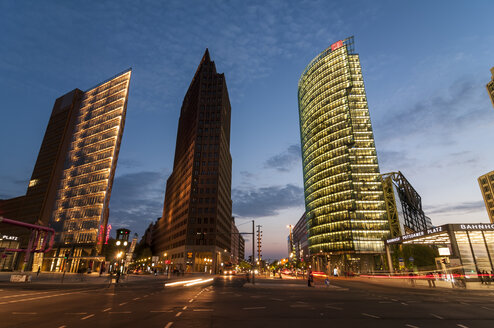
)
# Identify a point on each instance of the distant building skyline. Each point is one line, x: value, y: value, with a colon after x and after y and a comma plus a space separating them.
x: 196, y: 225
x: 486, y: 184
x: 343, y: 192
x: 490, y: 87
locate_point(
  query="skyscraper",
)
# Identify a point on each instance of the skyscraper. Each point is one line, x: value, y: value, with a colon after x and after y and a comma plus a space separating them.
x: 486, y: 184
x: 195, y: 229
x: 71, y: 183
x: 343, y: 190
x: 490, y: 87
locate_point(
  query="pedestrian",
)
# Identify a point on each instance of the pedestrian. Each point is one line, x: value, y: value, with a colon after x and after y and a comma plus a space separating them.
x: 39, y: 270
x: 117, y: 277
x: 430, y: 280
x: 310, y: 279
x: 479, y: 275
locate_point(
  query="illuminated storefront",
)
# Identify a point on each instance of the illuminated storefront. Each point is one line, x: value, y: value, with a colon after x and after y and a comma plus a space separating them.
x: 466, y: 249
x: 8, y: 259
x: 343, y: 191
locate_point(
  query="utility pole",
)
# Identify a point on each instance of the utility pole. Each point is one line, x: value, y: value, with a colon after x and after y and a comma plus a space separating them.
x: 259, y: 243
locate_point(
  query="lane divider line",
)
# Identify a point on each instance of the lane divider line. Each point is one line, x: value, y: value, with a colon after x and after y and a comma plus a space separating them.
x: 371, y: 315
x: 106, y: 310
x: 168, y: 325
x: 178, y: 314
x: 87, y: 317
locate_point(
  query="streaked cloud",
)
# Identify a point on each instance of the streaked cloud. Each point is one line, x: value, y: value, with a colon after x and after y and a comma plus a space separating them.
x: 285, y: 160
x: 266, y: 201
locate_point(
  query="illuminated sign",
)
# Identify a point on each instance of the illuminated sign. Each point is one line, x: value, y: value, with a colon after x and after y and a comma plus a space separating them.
x: 444, y: 251
x: 474, y: 226
x: 336, y: 45
x: 108, y: 229
x: 5, y: 237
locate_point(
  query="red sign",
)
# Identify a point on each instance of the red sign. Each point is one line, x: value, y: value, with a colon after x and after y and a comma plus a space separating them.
x: 336, y: 45
x: 108, y: 229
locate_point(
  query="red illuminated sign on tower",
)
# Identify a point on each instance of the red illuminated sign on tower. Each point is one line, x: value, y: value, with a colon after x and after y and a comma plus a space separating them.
x: 336, y: 45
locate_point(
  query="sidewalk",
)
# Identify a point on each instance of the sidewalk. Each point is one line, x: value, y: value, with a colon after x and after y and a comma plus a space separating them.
x: 72, y: 278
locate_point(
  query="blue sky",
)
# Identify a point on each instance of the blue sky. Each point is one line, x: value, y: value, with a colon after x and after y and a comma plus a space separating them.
x: 425, y: 66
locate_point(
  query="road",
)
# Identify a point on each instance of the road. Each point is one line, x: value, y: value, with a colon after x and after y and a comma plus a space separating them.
x: 228, y: 302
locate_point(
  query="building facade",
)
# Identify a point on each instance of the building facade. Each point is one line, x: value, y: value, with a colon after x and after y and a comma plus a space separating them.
x: 237, y: 245
x: 490, y: 87
x: 195, y: 229
x: 343, y: 190
x: 300, y: 241
x: 486, y: 184
x: 403, y: 205
x: 72, y: 179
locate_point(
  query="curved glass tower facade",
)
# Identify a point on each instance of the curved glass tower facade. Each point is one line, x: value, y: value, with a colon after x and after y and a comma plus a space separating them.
x: 343, y: 189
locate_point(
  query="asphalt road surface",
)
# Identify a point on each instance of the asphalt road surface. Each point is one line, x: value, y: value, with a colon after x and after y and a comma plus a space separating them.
x: 228, y: 302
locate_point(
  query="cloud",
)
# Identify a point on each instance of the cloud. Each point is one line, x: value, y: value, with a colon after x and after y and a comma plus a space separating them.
x: 455, y: 209
x: 247, y: 174
x: 266, y: 201
x: 137, y: 199
x: 285, y: 160
x: 392, y: 160
x: 439, y: 115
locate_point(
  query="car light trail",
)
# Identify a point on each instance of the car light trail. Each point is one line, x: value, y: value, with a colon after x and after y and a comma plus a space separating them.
x: 181, y: 282
x: 198, y: 282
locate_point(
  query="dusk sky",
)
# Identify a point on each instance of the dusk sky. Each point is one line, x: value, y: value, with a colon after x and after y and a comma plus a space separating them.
x: 425, y: 67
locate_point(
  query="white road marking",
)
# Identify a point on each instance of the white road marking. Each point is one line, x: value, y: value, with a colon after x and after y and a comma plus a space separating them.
x: 137, y: 298
x: 38, y: 298
x: 437, y: 316
x: 122, y: 303
x: 106, y: 310
x: 202, y: 310
x: 168, y: 325
x: 462, y: 326
x: 64, y: 326
x: 184, y: 308
x: 25, y: 294
x: 87, y: 317
x: 411, y: 326
x: 191, y: 300
x: 24, y: 313
x: 299, y: 305
x: 334, y: 307
x: 404, y: 303
x: 486, y: 308
x: 371, y: 315
x: 254, y: 308
x: 178, y: 314
x: 76, y: 313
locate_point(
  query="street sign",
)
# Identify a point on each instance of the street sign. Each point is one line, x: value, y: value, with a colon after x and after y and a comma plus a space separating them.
x: 155, y: 258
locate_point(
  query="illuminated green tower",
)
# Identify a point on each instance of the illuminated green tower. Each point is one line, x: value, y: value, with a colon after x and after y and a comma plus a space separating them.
x: 343, y: 190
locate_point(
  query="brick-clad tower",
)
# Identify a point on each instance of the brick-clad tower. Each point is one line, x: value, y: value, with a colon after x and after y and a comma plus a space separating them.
x: 195, y: 230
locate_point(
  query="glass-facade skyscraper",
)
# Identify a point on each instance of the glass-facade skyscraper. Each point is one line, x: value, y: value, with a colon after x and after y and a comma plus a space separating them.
x: 343, y: 190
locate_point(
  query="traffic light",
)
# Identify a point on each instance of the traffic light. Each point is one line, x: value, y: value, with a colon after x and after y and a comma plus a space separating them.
x: 66, y: 256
